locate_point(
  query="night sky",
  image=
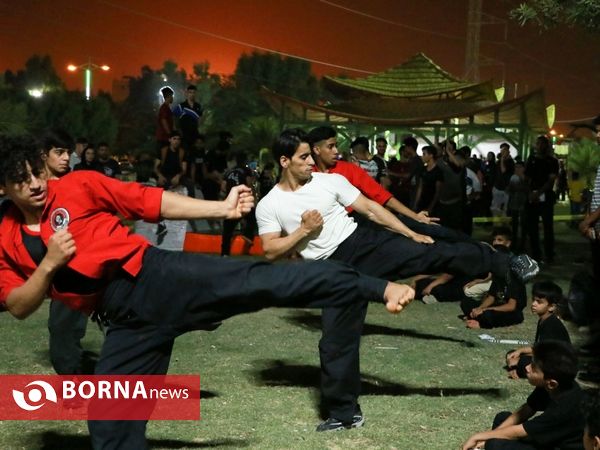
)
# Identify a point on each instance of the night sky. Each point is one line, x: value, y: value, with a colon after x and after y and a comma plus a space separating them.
x: 369, y: 35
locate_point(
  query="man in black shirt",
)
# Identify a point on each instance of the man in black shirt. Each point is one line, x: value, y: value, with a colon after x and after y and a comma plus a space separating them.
x: 109, y: 166
x: 557, y: 395
x: 541, y: 171
x: 189, y: 113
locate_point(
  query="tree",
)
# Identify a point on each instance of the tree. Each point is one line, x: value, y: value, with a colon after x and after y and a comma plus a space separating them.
x: 550, y: 13
x: 585, y: 159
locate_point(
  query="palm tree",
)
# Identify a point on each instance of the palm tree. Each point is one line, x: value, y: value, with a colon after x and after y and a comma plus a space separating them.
x: 584, y: 157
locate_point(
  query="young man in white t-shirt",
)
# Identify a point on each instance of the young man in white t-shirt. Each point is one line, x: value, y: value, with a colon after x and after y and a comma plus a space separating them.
x: 305, y: 213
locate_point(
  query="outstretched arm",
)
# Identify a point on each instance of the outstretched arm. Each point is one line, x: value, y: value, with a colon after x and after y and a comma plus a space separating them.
x: 378, y: 214
x: 238, y: 203
x: 27, y: 298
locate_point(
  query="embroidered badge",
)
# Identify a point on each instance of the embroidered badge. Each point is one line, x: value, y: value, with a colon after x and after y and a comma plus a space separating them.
x: 59, y: 219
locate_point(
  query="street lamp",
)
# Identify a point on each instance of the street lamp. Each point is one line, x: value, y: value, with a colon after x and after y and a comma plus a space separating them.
x: 87, y: 74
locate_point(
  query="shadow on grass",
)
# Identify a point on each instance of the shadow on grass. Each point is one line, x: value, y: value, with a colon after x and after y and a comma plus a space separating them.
x: 281, y: 373
x: 311, y: 321
x: 57, y: 441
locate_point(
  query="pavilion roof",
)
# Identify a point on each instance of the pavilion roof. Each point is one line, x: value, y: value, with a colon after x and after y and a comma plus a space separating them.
x: 417, y: 77
x: 530, y: 108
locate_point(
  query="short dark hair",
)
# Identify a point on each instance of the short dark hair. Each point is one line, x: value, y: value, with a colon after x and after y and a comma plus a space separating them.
x: 591, y: 413
x: 191, y: 87
x: 320, y: 134
x: 411, y: 142
x: 502, y: 231
x: 15, y: 153
x: 431, y: 150
x: 360, y: 141
x: 103, y: 144
x: 549, y: 290
x: 287, y: 143
x: 557, y: 360
x: 173, y: 133
x: 81, y: 140
x: 381, y: 139
x: 56, y: 139
x: 166, y: 91
x: 504, y: 144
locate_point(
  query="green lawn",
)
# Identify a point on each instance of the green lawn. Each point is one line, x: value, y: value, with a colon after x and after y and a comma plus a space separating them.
x: 427, y: 381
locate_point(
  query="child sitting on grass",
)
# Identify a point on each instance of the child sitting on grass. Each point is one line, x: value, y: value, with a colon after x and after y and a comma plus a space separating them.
x: 556, y: 393
x: 546, y: 296
x: 502, y: 306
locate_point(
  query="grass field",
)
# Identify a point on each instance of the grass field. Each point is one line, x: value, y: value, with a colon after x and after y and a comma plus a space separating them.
x: 428, y: 382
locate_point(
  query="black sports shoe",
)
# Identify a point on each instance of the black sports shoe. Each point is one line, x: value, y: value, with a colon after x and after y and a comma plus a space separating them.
x: 524, y: 267
x: 333, y: 424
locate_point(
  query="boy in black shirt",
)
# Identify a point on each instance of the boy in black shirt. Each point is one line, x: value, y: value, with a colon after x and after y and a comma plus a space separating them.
x: 546, y: 296
x: 503, y: 305
x: 560, y: 426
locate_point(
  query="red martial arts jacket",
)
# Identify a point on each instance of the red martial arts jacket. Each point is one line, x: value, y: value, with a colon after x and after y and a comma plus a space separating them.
x: 85, y: 202
x: 361, y: 181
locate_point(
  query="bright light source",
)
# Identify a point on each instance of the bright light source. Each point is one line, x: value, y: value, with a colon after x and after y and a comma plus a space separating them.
x: 164, y: 77
x: 36, y: 93
x: 553, y: 132
x: 71, y: 68
x: 105, y: 67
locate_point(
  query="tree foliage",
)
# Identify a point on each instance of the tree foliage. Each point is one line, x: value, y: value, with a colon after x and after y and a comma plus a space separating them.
x: 550, y: 13
x: 585, y: 159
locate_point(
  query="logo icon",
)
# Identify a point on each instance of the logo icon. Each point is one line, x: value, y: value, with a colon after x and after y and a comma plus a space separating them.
x: 59, y: 219
x: 35, y: 396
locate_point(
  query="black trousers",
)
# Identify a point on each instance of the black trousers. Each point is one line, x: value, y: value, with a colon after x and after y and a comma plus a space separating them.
x: 545, y: 211
x: 506, y: 444
x: 248, y: 231
x: 381, y: 253
x: 178, y: 292
x: 67, y: 328
x: 491, y: 319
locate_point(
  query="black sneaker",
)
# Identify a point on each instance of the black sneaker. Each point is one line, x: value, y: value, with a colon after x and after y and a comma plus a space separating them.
x: 524, y: 267
x: 333, y: 424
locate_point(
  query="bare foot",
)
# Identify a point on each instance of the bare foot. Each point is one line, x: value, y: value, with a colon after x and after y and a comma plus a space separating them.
x: 472, y: 324
x: 397, y: 296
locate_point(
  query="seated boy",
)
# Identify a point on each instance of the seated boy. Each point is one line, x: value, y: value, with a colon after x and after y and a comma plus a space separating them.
x: 503, y: 305
x: 557, y: 395
x: 591, y: 432
x: 478, y: 288
x: 449, y: 288
x: 546, y: 296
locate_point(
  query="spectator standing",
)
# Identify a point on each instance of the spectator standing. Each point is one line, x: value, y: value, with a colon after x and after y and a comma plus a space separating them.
x: 505, y: 168
x: 107, y: 164
x: 430, y: 182
x: 518, y: 195
x: 381, y: 145
x: 240, y: 174
x: 541, y: 170
x: 164, y: 123
x: 362, y: 157
x: 81, y: 144
x: 189, y: 112
x: 89, y: 160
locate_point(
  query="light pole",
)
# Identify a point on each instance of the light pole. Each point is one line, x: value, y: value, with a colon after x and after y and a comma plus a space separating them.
x: 87, y: 67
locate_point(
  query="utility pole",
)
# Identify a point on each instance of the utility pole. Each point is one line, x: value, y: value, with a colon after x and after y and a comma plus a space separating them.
x: 473, y: 41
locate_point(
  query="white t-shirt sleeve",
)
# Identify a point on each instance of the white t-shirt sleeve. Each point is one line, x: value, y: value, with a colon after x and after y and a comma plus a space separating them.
x: 345, y: 192
x: 266, y: 218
